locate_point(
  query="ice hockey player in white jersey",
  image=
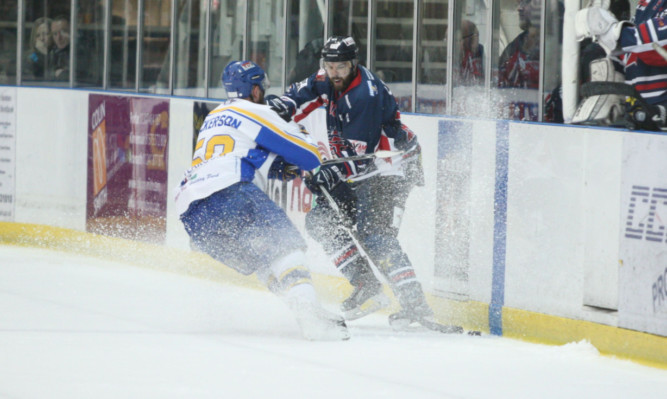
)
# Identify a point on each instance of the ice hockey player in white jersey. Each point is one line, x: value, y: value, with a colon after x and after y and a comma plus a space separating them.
x: 222, y: 203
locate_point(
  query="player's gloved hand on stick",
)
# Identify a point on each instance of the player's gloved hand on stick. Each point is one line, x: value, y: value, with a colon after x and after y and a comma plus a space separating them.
x: 278, y: 106
x: 283, y: 170
x: 327, y: 177
x: 644, y: 116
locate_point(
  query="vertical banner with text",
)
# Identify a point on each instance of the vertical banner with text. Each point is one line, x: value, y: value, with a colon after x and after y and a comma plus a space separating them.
x: 643, y: 237
x: 7, y: 153
x: 127, y: 167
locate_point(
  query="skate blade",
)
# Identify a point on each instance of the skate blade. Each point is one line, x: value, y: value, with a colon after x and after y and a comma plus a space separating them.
x: 319, y: 332
x: 319, y: 325
x: 374, y: 304
x: 405, y: 325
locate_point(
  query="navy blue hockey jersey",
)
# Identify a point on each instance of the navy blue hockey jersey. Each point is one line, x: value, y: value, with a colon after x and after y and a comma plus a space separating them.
x: 646, y: 69
x: 362, y: 119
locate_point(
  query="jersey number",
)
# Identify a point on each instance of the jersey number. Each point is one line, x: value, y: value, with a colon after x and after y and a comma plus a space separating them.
x: 215, y: 146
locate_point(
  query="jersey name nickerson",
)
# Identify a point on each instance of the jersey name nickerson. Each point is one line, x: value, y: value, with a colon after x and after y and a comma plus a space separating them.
x: 222, y: 120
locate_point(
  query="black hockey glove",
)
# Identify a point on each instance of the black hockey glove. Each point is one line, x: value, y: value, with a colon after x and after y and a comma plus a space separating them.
x: 644, y: 116
x: 327, y: 177
x: 282, y: 170
x: 279, y: 107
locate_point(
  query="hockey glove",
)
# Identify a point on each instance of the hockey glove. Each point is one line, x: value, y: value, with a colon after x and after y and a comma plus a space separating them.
x: 279, y: 107
x: 599, y: 24
x: 644, y: 116
x: 412, y: 161
x: 282, y: 170
x: 327, y: 177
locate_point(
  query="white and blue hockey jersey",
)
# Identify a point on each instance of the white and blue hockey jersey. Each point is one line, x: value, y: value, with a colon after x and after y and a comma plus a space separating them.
x: 238, y: 142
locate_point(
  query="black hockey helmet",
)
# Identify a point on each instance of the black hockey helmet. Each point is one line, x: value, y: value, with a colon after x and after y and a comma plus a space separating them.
x: 340, y: 48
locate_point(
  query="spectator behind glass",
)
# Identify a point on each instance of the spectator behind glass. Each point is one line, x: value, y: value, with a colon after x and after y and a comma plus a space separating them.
x: 471, y: 71
x: 36, y: 65
x: 519, y: 64
x: 60, y: 51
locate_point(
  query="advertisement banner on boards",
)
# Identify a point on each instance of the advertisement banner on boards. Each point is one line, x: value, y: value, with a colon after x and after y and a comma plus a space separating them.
x: 643, y: 239
x: 127, y: 167
x: 7, y: 153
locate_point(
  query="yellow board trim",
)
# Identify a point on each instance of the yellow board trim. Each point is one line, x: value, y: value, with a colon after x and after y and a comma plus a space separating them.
x: 644, y: 348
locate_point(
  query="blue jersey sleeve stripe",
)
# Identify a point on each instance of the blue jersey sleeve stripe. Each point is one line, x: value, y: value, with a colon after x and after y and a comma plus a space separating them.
x: 292, y: 152
x: 266, y: 124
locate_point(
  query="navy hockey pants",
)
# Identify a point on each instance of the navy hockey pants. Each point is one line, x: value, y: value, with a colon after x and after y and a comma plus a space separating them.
x: 242, y: 227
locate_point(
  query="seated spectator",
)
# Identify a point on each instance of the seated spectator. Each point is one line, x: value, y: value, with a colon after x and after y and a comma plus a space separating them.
x: 36, y: 65
x: 519, y: 64
x: 60, y: 50
x: 471, y: 71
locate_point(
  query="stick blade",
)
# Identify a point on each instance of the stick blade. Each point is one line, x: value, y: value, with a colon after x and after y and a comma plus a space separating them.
x: 387, y: 153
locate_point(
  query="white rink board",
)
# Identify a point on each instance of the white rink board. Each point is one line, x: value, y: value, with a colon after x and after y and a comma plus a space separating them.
x: 643, y: 290
x: 563, y: 211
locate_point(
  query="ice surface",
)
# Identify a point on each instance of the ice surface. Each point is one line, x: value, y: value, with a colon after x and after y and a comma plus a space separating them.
x: 73, y: 326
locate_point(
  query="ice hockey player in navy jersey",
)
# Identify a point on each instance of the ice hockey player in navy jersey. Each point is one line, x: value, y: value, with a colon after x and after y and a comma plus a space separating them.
x: 222, y: 203
x: 641, y: 46
x: 362, y: 117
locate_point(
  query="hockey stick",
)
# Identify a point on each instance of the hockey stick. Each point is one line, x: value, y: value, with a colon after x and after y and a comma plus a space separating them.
x: 372, y: 155
x: 431, y: 325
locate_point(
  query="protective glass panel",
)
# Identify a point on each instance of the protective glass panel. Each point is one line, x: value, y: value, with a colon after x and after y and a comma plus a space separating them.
x: 468, y: 78
x: 305, y: 32
x: 155, y: 46
x: 517, y: 69
x: 432, y: 76
x: 266, y: 43
x: 123, y: 46
x: 190, y: 50
x: 350, y: 18
x: 8, y: 37
x: 227, y: 35
x: 89, y: 36
x: 393, y: 48
x: 553, y: 50
x: 38, y: 44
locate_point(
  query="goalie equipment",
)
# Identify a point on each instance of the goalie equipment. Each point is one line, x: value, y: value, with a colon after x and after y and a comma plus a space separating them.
x: 639, y: 114
x: 600, y: 108
x: 599, y: 24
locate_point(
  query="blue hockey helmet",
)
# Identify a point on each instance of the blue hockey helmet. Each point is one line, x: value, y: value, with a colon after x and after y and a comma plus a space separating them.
x: 340, y: 48
x: 239, y: 77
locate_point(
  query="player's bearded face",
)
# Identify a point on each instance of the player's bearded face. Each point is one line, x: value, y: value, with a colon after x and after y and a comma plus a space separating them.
x: 339, y: 73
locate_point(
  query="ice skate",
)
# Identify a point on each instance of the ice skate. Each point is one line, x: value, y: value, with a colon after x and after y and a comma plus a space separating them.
x: 420, y: 315
x: 366, y: 298
x: 410, y: 315
x: 317, y: 324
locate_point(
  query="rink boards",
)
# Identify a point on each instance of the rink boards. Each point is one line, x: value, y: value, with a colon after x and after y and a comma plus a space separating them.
x: 541, y: 232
